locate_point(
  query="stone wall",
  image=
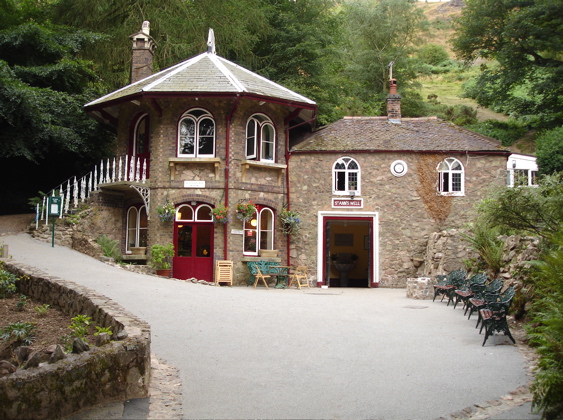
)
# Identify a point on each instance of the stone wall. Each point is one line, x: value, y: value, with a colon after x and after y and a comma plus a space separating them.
x: 116, y: 371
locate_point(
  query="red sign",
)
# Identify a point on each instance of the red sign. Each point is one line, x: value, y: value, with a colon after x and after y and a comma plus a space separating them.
x: 357, y: 203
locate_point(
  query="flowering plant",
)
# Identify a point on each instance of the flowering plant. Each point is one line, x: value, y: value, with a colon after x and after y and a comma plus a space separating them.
x: 245, y: 211
x: 290, y: 221
x: 220, y: 214
x: 166, y: 213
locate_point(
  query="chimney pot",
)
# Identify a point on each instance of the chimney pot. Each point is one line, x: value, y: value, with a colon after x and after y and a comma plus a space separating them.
x: 143, y: 52
x: 393, y: 103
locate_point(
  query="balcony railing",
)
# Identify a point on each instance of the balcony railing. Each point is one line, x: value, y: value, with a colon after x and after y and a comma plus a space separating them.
x: 110, y: 171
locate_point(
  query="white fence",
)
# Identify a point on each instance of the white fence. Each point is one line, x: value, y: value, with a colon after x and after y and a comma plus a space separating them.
x: 77, y: 190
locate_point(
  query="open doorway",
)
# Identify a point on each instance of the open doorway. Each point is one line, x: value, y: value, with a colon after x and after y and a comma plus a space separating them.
x: 348, y: 252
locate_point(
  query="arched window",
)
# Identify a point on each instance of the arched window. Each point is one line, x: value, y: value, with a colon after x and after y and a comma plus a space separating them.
x: 185, y: 213
x: 259, y: 231
x: 451, y: 177
x: 141, y: 136
x: 137, y: 227
x: 196, y: 134
x: 346, y: 179
x: 203, y: 213
x: 260, y: 139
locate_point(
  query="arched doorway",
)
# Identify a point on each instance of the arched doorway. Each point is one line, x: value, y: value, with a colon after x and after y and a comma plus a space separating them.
x: 193, y: 242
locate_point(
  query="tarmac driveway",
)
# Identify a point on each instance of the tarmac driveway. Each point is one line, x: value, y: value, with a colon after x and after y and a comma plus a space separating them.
x: 319, y: 353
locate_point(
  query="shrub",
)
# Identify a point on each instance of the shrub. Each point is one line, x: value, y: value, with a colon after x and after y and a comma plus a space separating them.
x: 484, y: 240
x: 18, y: 333
x: 549, y: 150
x: 506, y: 131
x: 80, y: 325
x: 7, y: 283
x: 110, y: 247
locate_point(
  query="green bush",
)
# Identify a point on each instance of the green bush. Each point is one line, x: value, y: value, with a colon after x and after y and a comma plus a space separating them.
x: 432, y: 54
x: 484, y: 240
x: 549, y: 150
x: 110, y: 247
x: 505, y: 131
x: 546, y: 330
x: 7, y: 283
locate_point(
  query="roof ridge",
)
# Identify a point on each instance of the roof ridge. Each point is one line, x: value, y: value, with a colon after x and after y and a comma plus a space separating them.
x: 181, y: 66
x: 228, y: 74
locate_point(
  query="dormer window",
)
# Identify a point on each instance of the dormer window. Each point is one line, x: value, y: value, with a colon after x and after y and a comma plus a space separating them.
x: 346, y: 177
x: 196, y: 134
x: 260, y: 139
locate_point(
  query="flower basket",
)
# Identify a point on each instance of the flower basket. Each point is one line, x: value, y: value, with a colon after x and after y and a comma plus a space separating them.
x: 220, y: 214
x: 245, y: 211
x: 290, y: 222
x: 167, y: 212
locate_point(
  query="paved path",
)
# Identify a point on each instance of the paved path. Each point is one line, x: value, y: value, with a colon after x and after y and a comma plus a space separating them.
x: 318, y: 354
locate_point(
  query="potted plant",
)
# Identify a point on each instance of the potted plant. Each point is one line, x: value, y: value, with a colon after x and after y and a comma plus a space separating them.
x: 220, y: 214
x: 160, y: 258
x: 245, y: 211
x: 166, y: 212
x: 290, y: 221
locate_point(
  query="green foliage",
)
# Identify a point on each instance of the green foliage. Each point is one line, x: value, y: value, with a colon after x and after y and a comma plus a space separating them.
x: 485, y: 241
x: 432, y: 54
x: 526, y: 40
x: 80, y: 326
x: 7, y: 283
x: 102, y: 330
x: 42, y: 310
x: 18, y: 333
x: 160, y: 256
x: 531, y: 210
x: 546, y: 331
x: 20, y: 304
x: 549, y: 151
x: 507, y: 132
x: 110, y: 247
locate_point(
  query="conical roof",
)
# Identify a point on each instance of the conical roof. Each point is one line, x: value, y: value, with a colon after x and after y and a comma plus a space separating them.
x: 204, y: 73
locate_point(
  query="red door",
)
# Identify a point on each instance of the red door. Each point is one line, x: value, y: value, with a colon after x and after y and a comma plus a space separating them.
x: 194, y: 251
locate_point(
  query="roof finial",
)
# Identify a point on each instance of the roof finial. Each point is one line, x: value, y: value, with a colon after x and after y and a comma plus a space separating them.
x: 211, y: 41
x: 390, y: 66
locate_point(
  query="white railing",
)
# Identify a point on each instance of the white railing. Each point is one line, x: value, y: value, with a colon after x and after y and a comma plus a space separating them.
x: 77, y: 190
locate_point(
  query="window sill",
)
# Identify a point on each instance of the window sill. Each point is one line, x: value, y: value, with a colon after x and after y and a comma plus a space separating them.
x: 253, y: 259
x: 451, y: 194
x: 279, y: 167
x: 187, y: 160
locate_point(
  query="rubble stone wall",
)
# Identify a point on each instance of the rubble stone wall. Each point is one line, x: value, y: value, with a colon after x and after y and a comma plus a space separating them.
x: 116, y: 371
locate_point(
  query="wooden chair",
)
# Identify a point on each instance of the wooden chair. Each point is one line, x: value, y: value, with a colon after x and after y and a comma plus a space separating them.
x: 259, y: 276
x: 300, y: 278
x: 223, y: 272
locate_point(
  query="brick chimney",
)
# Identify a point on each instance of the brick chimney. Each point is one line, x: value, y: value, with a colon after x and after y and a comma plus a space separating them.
x: 143, y: 50
x: 393, y: 103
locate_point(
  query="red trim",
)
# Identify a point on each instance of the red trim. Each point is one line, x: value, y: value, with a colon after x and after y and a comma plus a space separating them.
x: 461, y: 152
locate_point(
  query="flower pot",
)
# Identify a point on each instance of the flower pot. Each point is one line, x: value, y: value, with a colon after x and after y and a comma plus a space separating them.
x: 138, y: 250
x: 163, y: 272
x: 269, y: 253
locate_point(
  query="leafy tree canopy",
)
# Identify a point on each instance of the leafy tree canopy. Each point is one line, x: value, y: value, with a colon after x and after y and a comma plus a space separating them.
x: 525, y: 37
x: 549, y: 151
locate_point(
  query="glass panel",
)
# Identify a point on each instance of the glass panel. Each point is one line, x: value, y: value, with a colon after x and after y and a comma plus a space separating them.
x: 131, y: 228
x: 142, y: 136
x: 353, y: 165
x: 251, y: 139
x: 187, y: 137
x: 185, y: 241
x: 250, y: 232
x: 340, y: 165
x: 445, y: 181
x: 197, y: 112
x: 456, y: 182
x: 266, y: 230
x: 203, y: 213
x: 353, y: 181
x: 185, y: 213
x: 203, y: 245
x: 534, y: 180
x: 267, y: 142
x: 520, y: 177
x: 456, y: 165
x: 143, y: 226
x: 206, y: 137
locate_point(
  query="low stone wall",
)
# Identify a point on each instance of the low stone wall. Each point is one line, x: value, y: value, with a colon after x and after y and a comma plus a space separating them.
x: 420, y: 288
x: 116, y: 371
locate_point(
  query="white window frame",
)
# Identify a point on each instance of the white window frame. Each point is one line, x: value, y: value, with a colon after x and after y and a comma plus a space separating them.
x: 521, y: 168
x: 143, y: 120
x: 249, y: 227
x: 349, y: 175
x: 197, y: 210
x: 258, y: 141
x: 446, y: 175
x: 136, y: 230
x: 197, y: 120
x: 178, y: 212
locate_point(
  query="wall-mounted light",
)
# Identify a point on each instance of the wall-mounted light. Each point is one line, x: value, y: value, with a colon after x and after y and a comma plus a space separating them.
x: 513, y: 164
x: 352, y: 194
x: 254, y: 222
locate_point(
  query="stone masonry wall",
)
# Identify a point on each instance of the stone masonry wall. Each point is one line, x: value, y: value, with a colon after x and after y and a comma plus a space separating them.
x: 409, y: 208
x: 116, y: 371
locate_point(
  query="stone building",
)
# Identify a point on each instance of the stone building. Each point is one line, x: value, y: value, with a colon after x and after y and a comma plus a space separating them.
x: 207, y: 133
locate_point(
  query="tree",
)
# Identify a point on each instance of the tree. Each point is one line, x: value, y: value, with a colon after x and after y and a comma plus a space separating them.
x: 549, y: 151
x: 380, y: 32
x: 525, y: 38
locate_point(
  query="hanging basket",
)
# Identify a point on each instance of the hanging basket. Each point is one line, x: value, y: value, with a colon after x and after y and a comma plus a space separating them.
x: 245, y: 211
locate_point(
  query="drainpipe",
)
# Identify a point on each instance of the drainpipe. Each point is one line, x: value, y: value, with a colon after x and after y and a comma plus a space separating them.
x: 227, y: 163
x: 287, y: 157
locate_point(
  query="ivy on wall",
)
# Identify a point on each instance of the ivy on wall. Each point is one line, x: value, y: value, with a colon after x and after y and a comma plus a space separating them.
x: 437, y: 206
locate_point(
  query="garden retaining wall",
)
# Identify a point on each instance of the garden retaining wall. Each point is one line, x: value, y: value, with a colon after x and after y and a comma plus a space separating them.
x: 116, y: 371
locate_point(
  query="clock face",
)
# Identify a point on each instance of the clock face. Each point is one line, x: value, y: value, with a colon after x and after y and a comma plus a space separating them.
x: 399, y: 168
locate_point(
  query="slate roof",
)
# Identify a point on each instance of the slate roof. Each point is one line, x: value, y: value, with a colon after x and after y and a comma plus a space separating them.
x: 204, y: 73
x: 411, y: 134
